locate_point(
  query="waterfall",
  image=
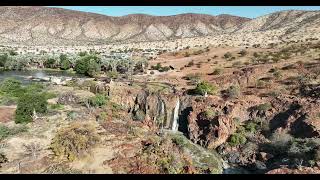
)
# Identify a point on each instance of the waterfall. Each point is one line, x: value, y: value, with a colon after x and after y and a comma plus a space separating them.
x: 176, y: 116
x: 162, y: 108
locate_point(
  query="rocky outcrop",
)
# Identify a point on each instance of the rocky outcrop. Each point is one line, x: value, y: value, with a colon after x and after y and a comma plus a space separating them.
x: 299, y: 117
x: 164, y: 109
x: 211, y: 121
x: 302, y: 170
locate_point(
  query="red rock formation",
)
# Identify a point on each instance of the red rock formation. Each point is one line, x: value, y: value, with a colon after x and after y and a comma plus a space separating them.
x: 302, y: 170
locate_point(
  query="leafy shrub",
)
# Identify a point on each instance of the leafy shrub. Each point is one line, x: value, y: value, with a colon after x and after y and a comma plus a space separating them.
x: 256, y: 55
x: 112, y: 74
x: 277, y: 74
x: 61, y: 168
x: 56, y: 106
x: 300, y: 148
x: 190, y: 64
x: 74, y: 141
x: 103, y: 115
x: 186, y: 54
x: 50, y: 63
x: 28, y: 104
x: 227, y: 55
x: 243, y: 53
x: 6, y: 131
x: 205, y: 88
x: 160, y: 68
x: 34, y: 87
x: 11, y: 86
x: 193, y: 77
x: 233, y: 58
x: 217, y: 71
x: 209, y: 113
x: 164, y: 69
x: 260, y: 84
x: 3, y: 59
x: 237, y: 139
x: 233, y: 91
x: 263, y: 107
x: 72, y: 115
x: 83, y: 53
x: 279, y: 143
x: 98, y: 100
x: 251, y: 127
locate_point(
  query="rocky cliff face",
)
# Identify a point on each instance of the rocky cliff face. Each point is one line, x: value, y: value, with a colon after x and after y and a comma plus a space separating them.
x: 209, y: 121
x: 162, y: 109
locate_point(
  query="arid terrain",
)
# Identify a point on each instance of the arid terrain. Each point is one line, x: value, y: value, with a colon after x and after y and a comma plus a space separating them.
x: 220, y: 94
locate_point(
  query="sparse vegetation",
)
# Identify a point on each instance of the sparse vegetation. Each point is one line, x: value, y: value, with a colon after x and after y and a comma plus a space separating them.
x: 217, y: 71
x: 204, y: 88
x: 98, y: 100
x: 160, y: 68
x: 233, y: 92
x: 74, y: 141
x: 11, y: 131
x: 243, y: 53
x: 227, y: 55
x: 237, y: 139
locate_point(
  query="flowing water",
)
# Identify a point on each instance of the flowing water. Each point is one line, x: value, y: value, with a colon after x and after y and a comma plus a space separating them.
x: 25, y: 76
x: 176, y: 116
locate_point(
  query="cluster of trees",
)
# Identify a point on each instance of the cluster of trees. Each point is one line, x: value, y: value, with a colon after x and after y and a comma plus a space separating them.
x: 89, y: 64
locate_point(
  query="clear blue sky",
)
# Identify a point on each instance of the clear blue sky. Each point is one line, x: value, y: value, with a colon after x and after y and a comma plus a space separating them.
x: 245, y: 11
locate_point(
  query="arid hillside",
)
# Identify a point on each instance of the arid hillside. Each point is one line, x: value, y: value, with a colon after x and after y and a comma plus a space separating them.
x: 55, y: 26
x: 42, y: 25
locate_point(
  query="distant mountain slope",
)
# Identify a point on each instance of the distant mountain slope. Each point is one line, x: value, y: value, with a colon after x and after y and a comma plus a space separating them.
x: 55, y: 26
x: 42, y: 25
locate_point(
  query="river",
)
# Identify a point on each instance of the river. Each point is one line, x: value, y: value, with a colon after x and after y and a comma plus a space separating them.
x: 24, y: 76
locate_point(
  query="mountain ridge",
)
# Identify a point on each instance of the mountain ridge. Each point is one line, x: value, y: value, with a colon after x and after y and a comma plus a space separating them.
x: 37, y: 25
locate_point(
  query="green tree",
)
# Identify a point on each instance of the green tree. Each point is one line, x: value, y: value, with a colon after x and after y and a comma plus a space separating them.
x: 204, y: 88
x: 3, y: 59
x: 81, y: 66
x: 64, y: 62
x: 88, y: 65
x: 28, y: 104
x: 93, y: 68
x: 50, y: 63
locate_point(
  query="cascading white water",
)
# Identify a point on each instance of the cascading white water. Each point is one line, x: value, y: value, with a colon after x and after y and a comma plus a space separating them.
x: 40, y: 75
x: 175, y: 124
x: 162, y: 108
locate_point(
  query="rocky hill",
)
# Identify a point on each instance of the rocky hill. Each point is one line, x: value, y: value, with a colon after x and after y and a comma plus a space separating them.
x: 42, y: 25
x: 55, y: 26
